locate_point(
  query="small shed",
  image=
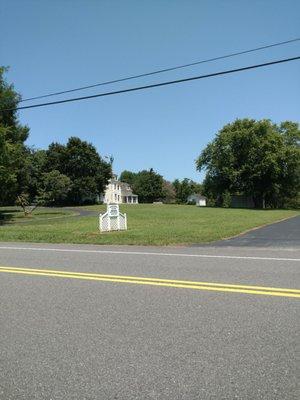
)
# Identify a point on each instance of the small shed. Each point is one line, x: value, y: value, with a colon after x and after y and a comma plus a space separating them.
x: 197, y: 199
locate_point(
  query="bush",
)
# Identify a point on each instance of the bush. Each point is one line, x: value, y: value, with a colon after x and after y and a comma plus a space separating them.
x: 226, y: 199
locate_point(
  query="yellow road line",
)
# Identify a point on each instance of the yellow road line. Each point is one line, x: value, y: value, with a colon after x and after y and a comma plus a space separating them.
x: 125, y: 277
x: 219, y: 287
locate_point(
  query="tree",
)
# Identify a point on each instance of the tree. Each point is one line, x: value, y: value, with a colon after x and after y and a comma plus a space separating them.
x: 13, y: 152
x: 54, y: 188
x: 196, y: 187
x: 289, y: 190
x: 7, y: 175
x: 36, y: 161
x: 169, y: 194
x: 80, y: 161
x: 24, y: 202
x: 184, y: 188
x: 128, y: 177
x: 148, y: 185
x: 254, y: 158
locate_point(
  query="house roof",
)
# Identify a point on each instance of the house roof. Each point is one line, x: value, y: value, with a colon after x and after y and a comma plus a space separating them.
x: 125, y: 187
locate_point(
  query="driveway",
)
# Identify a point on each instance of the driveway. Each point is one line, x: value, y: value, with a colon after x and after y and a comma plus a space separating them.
x: 284, y: 234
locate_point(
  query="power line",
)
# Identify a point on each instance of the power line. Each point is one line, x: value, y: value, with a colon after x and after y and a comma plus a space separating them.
x: 163, y: 70
x: 156, y: 84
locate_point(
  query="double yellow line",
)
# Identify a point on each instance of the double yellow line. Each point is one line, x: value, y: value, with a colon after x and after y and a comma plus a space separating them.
x: 217, y: 287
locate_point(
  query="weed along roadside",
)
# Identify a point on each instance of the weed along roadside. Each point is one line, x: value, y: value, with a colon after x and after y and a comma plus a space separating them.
x: 148, y: 224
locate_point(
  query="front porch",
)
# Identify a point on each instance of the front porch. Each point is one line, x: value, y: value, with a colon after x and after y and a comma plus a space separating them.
x: 132, y: 199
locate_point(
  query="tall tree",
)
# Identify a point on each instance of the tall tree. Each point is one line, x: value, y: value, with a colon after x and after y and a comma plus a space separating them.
x: 148, y: 185
x: 255, y: 158
x: 13, y: 152
x: 80, y: 161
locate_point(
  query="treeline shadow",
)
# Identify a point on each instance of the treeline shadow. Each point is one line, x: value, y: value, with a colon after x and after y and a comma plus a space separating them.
x: 7, y: 215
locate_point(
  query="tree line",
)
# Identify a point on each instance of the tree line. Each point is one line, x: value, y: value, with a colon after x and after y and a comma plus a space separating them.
x: 151, y: 186
x: 258, y: 161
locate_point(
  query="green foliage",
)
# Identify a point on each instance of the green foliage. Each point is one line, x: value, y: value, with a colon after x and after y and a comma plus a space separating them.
x: 148, y: 185
x: 36, y: 161
x: 79, y: 161
x: 12, y: 149
x: 226, y: 199
x: 254, y: 158
x: 54, y: 188
x: 7, y: 176
x: 184, y: 188
x: 9, y: 99
x: 169, y: 194
x: 128, y: 177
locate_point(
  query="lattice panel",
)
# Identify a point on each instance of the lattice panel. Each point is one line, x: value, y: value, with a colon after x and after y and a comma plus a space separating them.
x: 123, y: 221
x: 103, y: 222
x: 115, y: 223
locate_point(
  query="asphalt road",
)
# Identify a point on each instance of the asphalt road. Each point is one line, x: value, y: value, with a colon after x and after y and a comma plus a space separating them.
x: 81, y: 337
x: 282, y: 234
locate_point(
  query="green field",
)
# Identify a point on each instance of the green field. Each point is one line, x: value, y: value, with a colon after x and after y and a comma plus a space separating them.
x: 148, y: 224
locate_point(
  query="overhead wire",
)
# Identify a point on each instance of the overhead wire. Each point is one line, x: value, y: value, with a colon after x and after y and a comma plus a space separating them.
x: 159, y: 71
x: 145, y: 87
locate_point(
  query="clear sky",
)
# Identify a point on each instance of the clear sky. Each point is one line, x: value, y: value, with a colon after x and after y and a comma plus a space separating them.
x: 51, y: 45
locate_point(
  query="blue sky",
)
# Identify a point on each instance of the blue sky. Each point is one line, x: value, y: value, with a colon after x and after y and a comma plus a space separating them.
x: 53, y: 45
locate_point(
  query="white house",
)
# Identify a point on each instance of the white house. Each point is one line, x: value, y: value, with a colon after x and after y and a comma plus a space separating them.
x: 118, y: 192
x: 197, y: 199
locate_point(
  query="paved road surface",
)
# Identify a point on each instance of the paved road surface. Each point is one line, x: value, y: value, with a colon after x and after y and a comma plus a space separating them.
x: 281, y: 234
x: 81, y: 337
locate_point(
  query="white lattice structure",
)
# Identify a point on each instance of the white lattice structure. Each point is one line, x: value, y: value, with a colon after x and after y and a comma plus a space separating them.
x: 112, y: 220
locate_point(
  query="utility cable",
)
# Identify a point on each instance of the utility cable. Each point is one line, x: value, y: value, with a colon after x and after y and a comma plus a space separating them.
x: 138, y: 88
x: 164, y: 70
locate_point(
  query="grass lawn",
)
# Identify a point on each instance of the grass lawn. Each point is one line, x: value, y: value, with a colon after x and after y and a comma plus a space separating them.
x: 12, y: 215
x: 148, y: 224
